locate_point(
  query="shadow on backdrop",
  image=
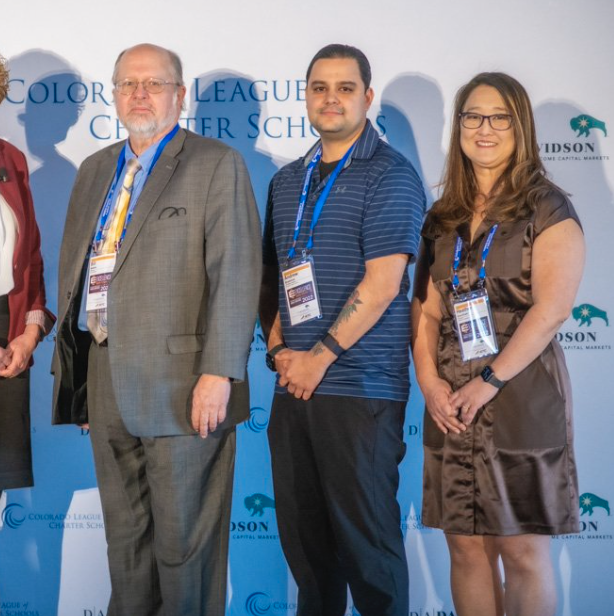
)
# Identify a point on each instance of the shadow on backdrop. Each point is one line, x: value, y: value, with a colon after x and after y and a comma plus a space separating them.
x: 412, y: 114
x: 228, y: 106
x: 35, y: 121
x: 412, y: 106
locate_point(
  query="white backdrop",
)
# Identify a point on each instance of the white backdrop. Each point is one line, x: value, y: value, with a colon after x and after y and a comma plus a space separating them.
x: 244, y: 67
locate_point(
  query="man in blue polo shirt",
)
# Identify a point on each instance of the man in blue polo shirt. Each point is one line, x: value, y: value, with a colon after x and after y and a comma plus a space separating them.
x: 342, y: 225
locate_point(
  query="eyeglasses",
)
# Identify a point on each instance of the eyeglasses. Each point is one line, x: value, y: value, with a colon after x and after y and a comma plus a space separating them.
x: 151, y: 85
x: 497, y: 121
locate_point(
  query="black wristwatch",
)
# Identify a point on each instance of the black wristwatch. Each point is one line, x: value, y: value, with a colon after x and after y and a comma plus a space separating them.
x: 270, y: 356
x: 489, y: 377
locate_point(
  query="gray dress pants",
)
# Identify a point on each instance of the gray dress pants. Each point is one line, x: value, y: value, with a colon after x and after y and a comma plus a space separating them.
x: 166, y: 504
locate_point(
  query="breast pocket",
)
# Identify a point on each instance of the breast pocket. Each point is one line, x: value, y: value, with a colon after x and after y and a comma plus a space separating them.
x: 508, y: 254
x: 176, y: 225
x: 441, y: 266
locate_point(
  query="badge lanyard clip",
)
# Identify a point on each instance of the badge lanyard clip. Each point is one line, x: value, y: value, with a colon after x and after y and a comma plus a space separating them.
x: 320, y: 202
x: 457, y: 256
x: 472, y: 313
x: 298, y: 276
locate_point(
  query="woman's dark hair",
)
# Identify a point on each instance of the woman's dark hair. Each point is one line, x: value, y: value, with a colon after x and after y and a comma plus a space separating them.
x: 522, y: 184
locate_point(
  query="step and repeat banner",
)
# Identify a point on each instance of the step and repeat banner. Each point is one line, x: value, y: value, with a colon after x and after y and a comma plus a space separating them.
x: 244, y: 69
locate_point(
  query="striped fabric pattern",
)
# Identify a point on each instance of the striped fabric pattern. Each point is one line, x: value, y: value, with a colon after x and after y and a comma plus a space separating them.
x: 375, y: 209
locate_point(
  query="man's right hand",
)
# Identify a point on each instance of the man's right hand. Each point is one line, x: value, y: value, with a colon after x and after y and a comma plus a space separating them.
x: 209, y: 401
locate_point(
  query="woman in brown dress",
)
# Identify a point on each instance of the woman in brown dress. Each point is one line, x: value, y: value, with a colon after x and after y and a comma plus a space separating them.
x: 499, y: 469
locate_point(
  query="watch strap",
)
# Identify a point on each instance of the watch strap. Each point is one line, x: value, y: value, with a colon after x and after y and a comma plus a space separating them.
x: 489, y: 377
x: 330, y: 342
x: 270, y: 356
x: 276, y: 349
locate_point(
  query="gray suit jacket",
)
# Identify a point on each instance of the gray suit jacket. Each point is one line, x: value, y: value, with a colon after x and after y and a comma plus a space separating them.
x: 183, y: 297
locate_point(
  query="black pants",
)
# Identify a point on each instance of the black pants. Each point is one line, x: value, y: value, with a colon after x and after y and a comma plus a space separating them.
x: 335, y: 471
x: 15, y: 451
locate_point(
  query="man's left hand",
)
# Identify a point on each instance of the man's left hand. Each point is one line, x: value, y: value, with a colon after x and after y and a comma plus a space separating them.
x: 209, y: 402
x: 21, y: 349
x: 302, y: 371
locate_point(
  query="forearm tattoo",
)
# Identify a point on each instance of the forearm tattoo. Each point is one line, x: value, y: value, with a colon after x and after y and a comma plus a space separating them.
x: 351, y: 306
x: 317, y: 349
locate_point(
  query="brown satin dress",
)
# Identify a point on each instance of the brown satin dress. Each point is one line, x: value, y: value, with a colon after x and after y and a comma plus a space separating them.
x: 513, y: 470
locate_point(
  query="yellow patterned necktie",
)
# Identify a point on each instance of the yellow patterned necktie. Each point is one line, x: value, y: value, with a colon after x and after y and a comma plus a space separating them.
x: 97, y: 319
x: 115, y: 226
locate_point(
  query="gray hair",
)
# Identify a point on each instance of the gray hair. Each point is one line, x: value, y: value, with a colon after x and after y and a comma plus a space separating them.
x: 174, y: 62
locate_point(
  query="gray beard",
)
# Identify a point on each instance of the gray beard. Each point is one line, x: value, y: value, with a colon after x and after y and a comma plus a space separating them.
x: 147, y: 128
x: 141, y: 127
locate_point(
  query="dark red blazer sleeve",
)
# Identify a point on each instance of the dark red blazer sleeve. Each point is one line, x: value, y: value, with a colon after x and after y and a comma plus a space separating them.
x: 29, y: 291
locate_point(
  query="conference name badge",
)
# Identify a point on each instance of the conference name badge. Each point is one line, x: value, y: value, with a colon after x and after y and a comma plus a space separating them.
x: 98, y: 280
x: 474, y: 325
x: 301, y: 291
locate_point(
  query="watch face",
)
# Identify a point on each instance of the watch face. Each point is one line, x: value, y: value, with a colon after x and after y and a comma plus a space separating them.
x: 489, y: 376
x: 270, y: 362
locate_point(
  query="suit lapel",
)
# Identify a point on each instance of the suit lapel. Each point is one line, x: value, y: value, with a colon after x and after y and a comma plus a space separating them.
x: 90, y: 203
x: 156, y: 183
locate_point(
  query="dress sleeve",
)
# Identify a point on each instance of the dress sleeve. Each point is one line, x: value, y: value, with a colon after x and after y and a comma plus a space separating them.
x: 430, y: 232
x: 554, y: 208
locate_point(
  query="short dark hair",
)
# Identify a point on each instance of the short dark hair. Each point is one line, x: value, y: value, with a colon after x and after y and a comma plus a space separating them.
x: 337, y: 50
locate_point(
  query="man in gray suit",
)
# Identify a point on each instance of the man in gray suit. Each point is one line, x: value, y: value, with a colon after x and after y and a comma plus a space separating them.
x: 158, y: 291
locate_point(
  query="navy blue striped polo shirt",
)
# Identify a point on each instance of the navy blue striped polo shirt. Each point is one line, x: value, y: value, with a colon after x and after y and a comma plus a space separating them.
x: 375, y: 209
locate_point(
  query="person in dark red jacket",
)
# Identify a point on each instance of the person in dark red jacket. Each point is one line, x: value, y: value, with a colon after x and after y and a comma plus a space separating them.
x: 24, y: 319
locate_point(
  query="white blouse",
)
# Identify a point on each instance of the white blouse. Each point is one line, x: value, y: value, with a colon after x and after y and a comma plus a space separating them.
x: 8, y: 238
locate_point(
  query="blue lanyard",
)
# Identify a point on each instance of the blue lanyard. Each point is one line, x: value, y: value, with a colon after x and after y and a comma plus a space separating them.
x: 321, y: 199
x: 485, y: 251
x: 108, y: 204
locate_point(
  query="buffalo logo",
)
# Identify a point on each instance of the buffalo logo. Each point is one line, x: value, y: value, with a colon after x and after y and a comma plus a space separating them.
x: 258, y: 419
x: 256, y: 503
x: 258, y: 341
x: 11, y: 516
x: 584, y: 123
x: 589, y: 501
x: 257, y: 603
x: 585, y: 313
